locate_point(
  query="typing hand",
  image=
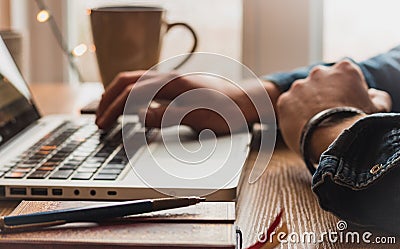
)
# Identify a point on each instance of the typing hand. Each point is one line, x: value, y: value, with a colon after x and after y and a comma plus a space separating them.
x: 201, y: 102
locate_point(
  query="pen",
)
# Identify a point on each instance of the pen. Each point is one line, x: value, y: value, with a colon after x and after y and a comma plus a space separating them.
x: 93, y: 213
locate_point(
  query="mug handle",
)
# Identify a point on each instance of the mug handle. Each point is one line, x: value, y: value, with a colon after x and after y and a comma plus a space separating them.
x: 194, y: 46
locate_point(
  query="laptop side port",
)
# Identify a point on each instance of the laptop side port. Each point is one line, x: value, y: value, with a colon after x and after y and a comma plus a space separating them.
x: 38, y: 191
x: 17, y: 191
x: 57, y: 191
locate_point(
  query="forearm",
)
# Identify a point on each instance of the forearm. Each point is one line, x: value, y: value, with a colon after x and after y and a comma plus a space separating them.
x: 273, y: 91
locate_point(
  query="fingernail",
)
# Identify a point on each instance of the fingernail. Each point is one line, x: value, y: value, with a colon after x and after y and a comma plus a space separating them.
x: 99, y: 122
x: 149, y: 115
x: 144, y: 115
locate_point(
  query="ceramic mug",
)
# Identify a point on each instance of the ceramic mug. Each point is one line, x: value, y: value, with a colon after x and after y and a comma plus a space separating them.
x: 130, y: 38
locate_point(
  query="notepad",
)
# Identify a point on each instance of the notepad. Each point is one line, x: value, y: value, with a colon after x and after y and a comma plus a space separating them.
x: 206, y: 225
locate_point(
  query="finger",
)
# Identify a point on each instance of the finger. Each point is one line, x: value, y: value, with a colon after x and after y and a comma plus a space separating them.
x: 143, y: 94
x: 350, y: 67
x: 107, y: 118
x: 161, y: 88
x: 319, y: 71
x: 381, y: 100
x: 159, y: 116
x: 197, y: 119
x: 120, y: 82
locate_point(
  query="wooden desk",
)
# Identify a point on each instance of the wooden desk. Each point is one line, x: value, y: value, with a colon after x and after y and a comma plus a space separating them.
x: 285, y: 183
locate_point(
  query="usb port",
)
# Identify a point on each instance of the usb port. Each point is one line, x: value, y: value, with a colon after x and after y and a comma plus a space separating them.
x: 39, y: 191
x: 18, y: 191
x: 56, y: 191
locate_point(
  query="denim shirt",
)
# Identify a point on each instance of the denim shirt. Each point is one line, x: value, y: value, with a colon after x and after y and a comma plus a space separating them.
x: 358, y: 177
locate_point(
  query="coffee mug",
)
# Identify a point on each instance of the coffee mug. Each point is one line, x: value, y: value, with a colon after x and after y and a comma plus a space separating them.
x: 130, y: 38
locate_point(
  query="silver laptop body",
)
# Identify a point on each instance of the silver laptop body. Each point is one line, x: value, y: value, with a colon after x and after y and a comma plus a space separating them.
x: 67, y: 157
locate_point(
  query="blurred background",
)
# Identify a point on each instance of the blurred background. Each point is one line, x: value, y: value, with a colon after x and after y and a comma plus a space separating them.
x: 266, y: 35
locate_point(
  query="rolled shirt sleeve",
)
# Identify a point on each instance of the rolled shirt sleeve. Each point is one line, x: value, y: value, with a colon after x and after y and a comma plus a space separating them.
x: 358, y: 175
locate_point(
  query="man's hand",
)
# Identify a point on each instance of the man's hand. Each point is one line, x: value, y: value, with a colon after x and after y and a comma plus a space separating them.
x: 326, y: 87
x: 213, y: 90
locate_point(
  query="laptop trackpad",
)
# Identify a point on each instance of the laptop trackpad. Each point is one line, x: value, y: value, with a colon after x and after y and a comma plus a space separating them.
x: 179, y: 158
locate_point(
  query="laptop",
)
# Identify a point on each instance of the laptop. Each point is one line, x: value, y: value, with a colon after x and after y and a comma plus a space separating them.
x: 67, y: 157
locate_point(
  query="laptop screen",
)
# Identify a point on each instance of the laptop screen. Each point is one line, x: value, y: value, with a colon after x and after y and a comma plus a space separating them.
x: 16, y: 108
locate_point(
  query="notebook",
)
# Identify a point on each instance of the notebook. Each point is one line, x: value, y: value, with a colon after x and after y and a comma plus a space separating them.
x: 206, y: 225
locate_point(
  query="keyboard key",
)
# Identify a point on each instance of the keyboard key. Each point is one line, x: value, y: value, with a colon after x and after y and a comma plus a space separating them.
x: 46, y: 168
x: 114, y: 166
x: 107, y: 177
x: 86, y: 170
x: 68, y: 167
x: 23, y: 170
x: 24, y: 166
x: 95, y: 160
x: 44, y: 152
x: 44, y: 147
x: 91, y: 165
x: 118, y: 160
x: 79, y: 155
x: 103, y: 155
x: 28, y: 162
x: 15, y: 175
x: 85, y: 149
x: 77, y: 158
x: 36, y: 158
x: 61, y: 174
x: 51, y: 164
x: 110, y: 171
x: 82, y: 176
x: 72, y: 162
x: 38, y: 174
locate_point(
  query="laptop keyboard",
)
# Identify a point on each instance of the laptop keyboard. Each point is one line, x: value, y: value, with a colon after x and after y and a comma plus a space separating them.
x: 73, y: 151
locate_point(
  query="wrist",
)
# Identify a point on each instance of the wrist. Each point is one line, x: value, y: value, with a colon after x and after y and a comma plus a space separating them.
x: 273, y: 91
x: 324, y: 135
x: 338, y: 119
x: 245, y: 99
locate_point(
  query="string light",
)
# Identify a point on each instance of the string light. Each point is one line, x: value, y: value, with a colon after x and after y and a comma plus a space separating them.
x: 79, y: 50
x: 43, y: 16
x: 92, y: 48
